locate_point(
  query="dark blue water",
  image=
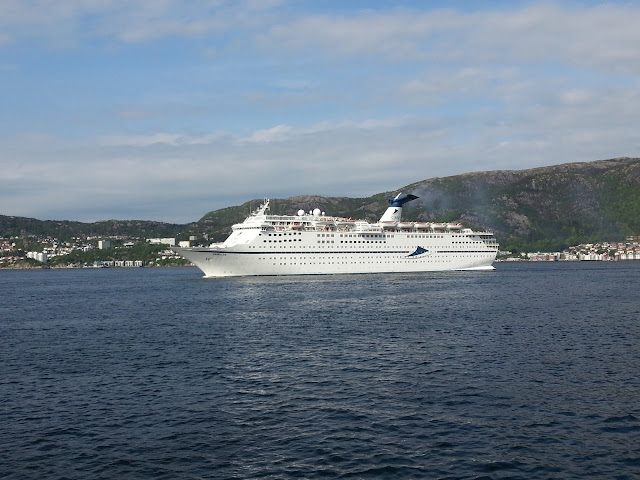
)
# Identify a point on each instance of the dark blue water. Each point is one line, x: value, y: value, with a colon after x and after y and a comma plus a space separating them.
x: 529, y: 372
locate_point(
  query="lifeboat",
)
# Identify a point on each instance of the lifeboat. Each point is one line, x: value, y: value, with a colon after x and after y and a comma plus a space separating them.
x: 324, y: 221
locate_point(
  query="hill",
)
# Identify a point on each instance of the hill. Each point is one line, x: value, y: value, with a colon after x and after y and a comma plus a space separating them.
x: 544, y: 208
x: 66, y: 229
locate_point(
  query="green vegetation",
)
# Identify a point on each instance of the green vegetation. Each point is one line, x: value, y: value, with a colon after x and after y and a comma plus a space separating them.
x: 65, y: 230
x: 23, y: 263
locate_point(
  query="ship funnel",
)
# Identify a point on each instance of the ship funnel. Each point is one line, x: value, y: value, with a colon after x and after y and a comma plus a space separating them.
x: 394, y: 212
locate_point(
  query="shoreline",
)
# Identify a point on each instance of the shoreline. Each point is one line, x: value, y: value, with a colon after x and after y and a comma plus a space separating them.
x: 66, y: 267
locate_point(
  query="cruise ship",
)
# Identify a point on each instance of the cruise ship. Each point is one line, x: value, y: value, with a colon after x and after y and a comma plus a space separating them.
x: 313, y: 243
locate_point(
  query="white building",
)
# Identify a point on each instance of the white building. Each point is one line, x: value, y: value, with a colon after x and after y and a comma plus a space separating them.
x: 165, y: 241
x: 133, y: 263
x: 39, y: 256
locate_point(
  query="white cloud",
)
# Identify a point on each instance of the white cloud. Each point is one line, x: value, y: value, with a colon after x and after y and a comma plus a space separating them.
x: 130, y: 22
x: 179, y: 177
x: 275, y: 134
x: 602, y: 36
x: 337, y: 104
x: 170, y: 139
x: 576, y: 97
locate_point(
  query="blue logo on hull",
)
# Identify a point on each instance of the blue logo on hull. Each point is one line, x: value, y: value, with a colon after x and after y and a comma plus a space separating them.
x: 419, y: 251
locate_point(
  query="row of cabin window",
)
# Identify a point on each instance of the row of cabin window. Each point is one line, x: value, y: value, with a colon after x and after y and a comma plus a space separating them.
x: 348, y: 235
x: 285, y: 240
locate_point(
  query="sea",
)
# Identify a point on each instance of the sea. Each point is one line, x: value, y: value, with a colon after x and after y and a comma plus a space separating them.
x: 531, y: 371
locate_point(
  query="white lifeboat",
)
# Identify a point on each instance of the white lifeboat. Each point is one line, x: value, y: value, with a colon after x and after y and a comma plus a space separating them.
x: 324, y: 221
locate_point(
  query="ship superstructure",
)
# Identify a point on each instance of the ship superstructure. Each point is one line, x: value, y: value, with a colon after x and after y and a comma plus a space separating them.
x: 311, y: 243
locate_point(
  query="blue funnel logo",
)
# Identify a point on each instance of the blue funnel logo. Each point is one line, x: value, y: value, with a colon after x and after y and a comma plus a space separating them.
x: 419, y: 251
x: 399, y: 200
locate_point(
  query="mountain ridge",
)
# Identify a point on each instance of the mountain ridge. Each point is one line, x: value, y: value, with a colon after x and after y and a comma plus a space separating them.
x: 546, y: 207
x: 541, y: 208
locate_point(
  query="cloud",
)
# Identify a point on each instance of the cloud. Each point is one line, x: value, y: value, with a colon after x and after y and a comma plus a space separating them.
x: 170, y: 139
x: 168, y: 109
x: 600, y: 36
x: 538, y: 33
x: 178, y: 177
x: 275, y: 134
x: 129, y: 22
x: 576, y: 97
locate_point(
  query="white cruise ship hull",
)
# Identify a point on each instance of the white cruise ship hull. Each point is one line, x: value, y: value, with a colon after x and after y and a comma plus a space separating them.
x: 314, y: 244
x: 229, y: 265
x: 226, y: 262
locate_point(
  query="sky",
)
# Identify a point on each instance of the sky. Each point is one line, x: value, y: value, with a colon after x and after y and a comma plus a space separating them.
x: 166, y: 109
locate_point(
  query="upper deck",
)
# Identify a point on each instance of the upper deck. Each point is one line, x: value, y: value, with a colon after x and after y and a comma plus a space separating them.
x: 323, y: 223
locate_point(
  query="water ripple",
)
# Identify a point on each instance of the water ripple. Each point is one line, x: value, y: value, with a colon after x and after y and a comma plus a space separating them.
x: 160, y: 374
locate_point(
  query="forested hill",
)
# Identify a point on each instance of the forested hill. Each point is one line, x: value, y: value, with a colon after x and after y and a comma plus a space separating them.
x: 66, y: 229
x: 544, y: 208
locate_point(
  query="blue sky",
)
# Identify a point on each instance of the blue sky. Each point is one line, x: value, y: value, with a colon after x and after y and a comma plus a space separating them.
x: 166, y: 109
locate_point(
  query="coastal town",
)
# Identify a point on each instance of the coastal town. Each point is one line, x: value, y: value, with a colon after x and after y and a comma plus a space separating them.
x: 89, y: 252
x: 103, y: 252
x: 602, y: 251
